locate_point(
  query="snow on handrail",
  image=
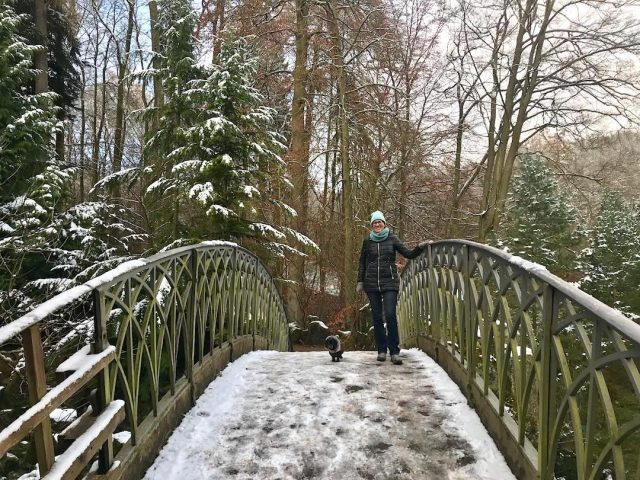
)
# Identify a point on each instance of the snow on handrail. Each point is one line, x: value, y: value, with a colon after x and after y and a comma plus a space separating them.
x: 63, y: 299
x: 18, y: 429
x: 610, y: 315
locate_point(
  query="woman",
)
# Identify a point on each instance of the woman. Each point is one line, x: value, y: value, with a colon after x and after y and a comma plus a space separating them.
x: 378, y: 277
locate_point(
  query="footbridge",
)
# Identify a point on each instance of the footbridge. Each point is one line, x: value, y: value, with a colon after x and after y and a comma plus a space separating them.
x: 552, y: 373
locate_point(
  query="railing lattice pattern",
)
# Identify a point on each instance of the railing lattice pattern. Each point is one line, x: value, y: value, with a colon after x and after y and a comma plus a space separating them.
x: 163, y: 327
x: 557, y: 369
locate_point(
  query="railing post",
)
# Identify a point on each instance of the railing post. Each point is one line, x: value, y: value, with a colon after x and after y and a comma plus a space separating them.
x: 192, y: 319
x: 468, y: 323
x: 232, y: 301
x: 412, y: 304
x: 432, y: 312
x: 37, y: 385
x: 103, y: 394
x: 547, y: 383
x: 254, y: 303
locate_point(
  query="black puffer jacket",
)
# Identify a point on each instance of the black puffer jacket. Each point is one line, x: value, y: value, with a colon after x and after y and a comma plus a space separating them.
x: 378, y: 270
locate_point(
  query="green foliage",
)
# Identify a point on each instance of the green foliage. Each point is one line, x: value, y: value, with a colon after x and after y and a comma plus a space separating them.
x: 213, y: 152
x: 539, y: 224
x: 612, y: 262
x: 44, y: 248
x: 26, y: 120
x: 31, y: 185
x: 63, y: 51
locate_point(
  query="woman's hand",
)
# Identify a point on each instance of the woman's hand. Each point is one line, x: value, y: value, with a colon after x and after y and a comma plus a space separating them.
x: 359, y: 287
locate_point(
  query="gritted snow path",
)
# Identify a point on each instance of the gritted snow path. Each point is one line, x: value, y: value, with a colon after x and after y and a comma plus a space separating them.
x: 297, y: 415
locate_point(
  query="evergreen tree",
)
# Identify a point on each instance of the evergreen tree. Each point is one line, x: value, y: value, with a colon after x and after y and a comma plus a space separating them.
x: 63, y: 51
x: 43, y: 247
x: 31, y: 184
x: 26, y: 120
x: 612, y: 262
x: 213, y: 156
x: 539, y: 225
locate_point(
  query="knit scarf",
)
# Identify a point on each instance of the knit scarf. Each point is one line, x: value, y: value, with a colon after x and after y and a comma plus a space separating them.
x: 379, y: 237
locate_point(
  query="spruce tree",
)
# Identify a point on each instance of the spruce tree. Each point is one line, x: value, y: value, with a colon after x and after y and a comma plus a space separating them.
x: 611, y: 263
x: 32, y: 185
x: 539, y: 225
x: 26, y: 120
x: 214, y: 154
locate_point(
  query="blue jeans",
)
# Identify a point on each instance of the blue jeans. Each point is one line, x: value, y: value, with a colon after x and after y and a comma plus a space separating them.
x: 389, y: 339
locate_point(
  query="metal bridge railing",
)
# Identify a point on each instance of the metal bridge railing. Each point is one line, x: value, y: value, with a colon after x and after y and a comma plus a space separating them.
x: 552, y: 372
x: 163, y: 327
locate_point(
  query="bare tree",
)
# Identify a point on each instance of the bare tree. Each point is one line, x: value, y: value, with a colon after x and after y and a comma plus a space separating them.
x: 552, y: 65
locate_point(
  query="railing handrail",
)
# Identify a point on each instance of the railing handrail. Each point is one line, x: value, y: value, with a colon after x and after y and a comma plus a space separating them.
x: 67, y: 297
x: 613, y: 317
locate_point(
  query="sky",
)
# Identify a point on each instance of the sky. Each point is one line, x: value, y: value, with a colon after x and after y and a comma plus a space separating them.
x: 297, y: 415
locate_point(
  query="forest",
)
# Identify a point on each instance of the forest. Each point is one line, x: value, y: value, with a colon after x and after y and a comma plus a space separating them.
x: 129, y: 128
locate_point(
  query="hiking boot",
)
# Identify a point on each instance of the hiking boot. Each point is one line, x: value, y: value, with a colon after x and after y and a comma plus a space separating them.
x: 381, y: 357
x: 396, y: 360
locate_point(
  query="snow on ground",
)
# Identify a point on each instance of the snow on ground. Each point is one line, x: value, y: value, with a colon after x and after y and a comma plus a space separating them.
x: 297, y: 415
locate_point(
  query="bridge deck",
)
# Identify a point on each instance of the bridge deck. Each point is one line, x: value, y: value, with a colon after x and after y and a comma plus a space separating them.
x: 299, y: 416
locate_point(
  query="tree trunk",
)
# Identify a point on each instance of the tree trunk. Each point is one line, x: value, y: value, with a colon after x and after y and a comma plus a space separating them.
x: 517, y: 98
x: 454, y: 222
x: 119, y: 132
x: 405, y: 149
x: 95, y: 145
x: 322, y: 265
x: 349, y: 264
x: 97, y: 127
x: 40, y: 57
x: 83, y: 128
x: 298, y: 164
x: 218, y: 23
x: 158, y: 95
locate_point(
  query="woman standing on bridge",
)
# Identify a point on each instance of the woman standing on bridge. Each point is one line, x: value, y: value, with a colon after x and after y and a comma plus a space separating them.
x: 378, y: 277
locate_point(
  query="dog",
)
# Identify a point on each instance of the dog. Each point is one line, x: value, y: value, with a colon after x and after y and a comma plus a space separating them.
x: 332, y: 343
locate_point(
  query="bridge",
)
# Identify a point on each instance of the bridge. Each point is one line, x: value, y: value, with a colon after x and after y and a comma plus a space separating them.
x: 552, y: 373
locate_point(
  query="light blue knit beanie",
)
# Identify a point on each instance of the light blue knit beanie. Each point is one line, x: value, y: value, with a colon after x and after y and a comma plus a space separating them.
x: 377, y: 215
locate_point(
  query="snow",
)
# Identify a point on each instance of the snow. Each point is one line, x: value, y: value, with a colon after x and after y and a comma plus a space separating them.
x: 321, y: 324
x: 527, y: 265
x: 122, y: 437
x: 47, y: 400
x: 63, y: 415
x: 75, y: 361
x: 250, y: 191
x: 298, y: 415
x: 288, y: 208
x: 218, y: 243
x: 214, y: 125
x: 55, y: 284
x: 220, y: 210
x: 163, y: 291
x: 187, y: 165
x: 52, y: 305
x: 160, y: 184
x: 22, y: 201
x: 5, y: 228
x: 64, y: 461
x: 265, y: 229
x: 303, y: 239
x: 114, y: 177
x: 202, y: 192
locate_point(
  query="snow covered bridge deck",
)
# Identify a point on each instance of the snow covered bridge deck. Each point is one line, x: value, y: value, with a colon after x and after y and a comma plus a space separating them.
x: 297, y: 415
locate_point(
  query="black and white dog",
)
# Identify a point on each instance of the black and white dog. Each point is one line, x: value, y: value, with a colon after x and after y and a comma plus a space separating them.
x: 332, y: 342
